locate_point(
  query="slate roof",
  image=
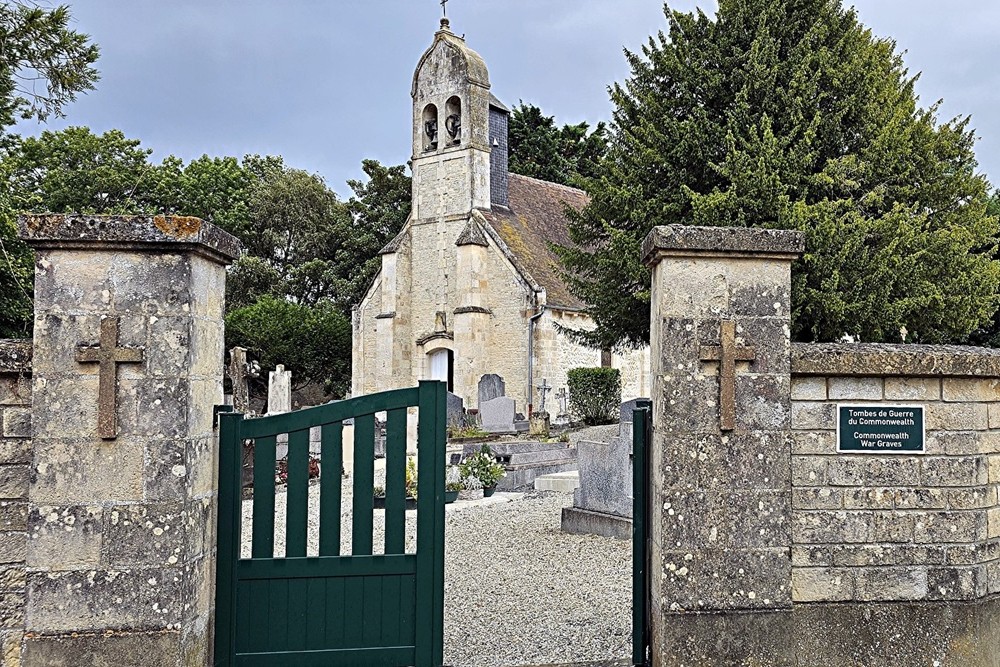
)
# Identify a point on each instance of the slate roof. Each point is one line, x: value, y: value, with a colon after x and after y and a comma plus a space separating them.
x: 536, y: 218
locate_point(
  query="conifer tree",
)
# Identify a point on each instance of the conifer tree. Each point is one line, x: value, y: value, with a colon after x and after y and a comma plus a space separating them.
x: 791, y: 114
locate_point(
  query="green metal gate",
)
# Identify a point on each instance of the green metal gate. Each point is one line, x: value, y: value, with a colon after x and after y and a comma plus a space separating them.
x: 361, y: 609
x: 642, y: 430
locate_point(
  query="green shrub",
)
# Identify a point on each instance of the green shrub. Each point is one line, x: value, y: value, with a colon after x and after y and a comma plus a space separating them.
x: 595, y: 394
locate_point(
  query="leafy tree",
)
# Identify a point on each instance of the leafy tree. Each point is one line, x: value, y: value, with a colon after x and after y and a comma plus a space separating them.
x: 74, y: 170
x: 380, y: 208
x: 43, y: 64
x: 541, y: 150
x: 791, y: 114
x: 312, y: 342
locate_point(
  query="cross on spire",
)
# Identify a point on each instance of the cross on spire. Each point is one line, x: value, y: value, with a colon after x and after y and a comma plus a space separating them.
x: 727, y: 353
x: 444, y: 8
x: 108, y: 355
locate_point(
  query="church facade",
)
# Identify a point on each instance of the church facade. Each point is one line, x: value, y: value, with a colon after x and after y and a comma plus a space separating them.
x: 470, y: 286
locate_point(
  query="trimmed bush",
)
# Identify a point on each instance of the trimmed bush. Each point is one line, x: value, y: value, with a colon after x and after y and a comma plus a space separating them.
x: 595, y: 395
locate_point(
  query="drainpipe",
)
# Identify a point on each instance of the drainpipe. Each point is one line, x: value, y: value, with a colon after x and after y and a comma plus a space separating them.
x: 531, y: 351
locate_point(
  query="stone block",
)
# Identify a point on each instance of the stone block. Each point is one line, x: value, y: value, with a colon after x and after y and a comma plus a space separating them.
x: 980, y: 497
x: 16, y: 422
x: 814, y: 442
x: 855, y: 389
x: 822, y: 584
x: 12, y: 578
x: 912, y: 389
x: 12, y: 610
x: 818, y: 498
x: 65, y: 537
x: 208, y: 297
x: 125, y: 649
x: 993, y: 523
x: 770, y: 339
x: 972, y: 554
x: 891, y: 471
x: 757, y: 460
x: 154, y: 407
x: 891, y: 527
x: 68, y: 408
x: 14, y: 482
x: 150, y: 535
x: 809, y: 470
x: 993, y: 465
x: 13, y: 546
x: 957, y: 583
x: 165, y: 469
x: 681, y: 455
x: 136, y: 600
x: 993, y: 413
x: 13, y: 515
x: 10, y: 647
x: 813, y: 416
x: 869, y: 498
x: 830, y: 527
x: 847, y: 471
x: 689, y: 405
x: 200, y: 464
x: 957, y: 417
x: 762, y: 403
x: 812, y: 555
x: 920, y: 498
x: 170, y: 347
x: 15, y: 389
x: 955, y: 471
x: 706, y: 520
x: 958, y: 390
x: 15, y: 450
x: 950, y: 527
x: 881, y: 555
x: 962, y: 443
x: 891, y: 583
x: 736, y: 579
x: 88, y: 471
x: 806, y: 388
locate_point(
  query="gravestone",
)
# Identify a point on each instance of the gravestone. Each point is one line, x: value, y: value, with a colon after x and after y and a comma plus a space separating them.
x: 279, y: 391
x: 602, y: 505
x: 491, y: 386
x: 497, y: 415
x: 456, y: 411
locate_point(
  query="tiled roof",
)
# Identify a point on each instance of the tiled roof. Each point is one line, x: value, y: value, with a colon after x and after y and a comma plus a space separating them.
x: 535, y: 219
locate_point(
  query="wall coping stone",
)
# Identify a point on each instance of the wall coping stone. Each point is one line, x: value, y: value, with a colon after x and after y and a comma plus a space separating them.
x: 15, y: 355
x: 689, y: 241
x: 871, y: 359
x: 163, y: 233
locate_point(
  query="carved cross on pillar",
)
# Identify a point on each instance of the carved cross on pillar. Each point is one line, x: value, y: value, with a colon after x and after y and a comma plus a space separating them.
x: 727, y: 353
x: 108, y: 355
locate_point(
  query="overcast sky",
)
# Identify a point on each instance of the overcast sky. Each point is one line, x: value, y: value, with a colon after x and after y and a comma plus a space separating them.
x: 326, y: 83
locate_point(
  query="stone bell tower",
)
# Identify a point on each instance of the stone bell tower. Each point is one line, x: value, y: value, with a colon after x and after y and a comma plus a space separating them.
x: 451, y: 130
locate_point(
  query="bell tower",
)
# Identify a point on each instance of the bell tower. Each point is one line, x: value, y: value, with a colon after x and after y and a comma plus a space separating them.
x: 451, y: 130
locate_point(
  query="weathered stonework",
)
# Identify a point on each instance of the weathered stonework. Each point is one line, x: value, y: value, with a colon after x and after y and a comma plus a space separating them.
x: 860, y: 559
x: 120, y: 537
x: 721, y: 505
x: 15, y: 460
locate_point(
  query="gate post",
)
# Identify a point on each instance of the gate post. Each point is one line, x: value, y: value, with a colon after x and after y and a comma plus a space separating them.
x: 128, y: 360
x: 720, y: 563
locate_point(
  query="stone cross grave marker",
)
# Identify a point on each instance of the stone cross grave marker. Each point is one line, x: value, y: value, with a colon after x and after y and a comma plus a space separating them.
x: 238, y: 378
x: 727, y: 353
x: 497, y: 415
x: 543, y: 389
x: 108, y: 355
x: 563, y: 398
x: 491, y: 386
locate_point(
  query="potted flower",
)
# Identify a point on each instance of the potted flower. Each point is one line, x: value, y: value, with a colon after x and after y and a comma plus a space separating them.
x: 454, y: 481
x: 484, y: 467
x: 410, y: 482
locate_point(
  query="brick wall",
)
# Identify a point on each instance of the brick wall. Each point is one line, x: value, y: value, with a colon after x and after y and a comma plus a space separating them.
x: 896, y: 527
x: 15, y: 459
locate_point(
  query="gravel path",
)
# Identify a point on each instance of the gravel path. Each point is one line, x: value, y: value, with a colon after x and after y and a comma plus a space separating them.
x: 517, y: 590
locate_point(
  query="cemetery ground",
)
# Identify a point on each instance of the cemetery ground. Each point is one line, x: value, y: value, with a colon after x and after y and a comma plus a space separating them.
x: 518, y: 591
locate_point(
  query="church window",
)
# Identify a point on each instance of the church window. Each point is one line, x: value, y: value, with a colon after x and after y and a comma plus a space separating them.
x: 430, y: 119
x: 453, y: 120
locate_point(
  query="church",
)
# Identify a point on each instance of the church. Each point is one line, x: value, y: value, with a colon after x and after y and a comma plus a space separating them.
x: 470, y: 287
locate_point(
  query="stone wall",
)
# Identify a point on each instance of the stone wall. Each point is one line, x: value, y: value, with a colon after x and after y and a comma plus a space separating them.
x: 888, y: 527
x: 15, y: 459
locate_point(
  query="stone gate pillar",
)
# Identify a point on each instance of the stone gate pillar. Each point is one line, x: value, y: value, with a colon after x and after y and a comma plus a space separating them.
x: 720, y: 500
x: 128, y: 361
